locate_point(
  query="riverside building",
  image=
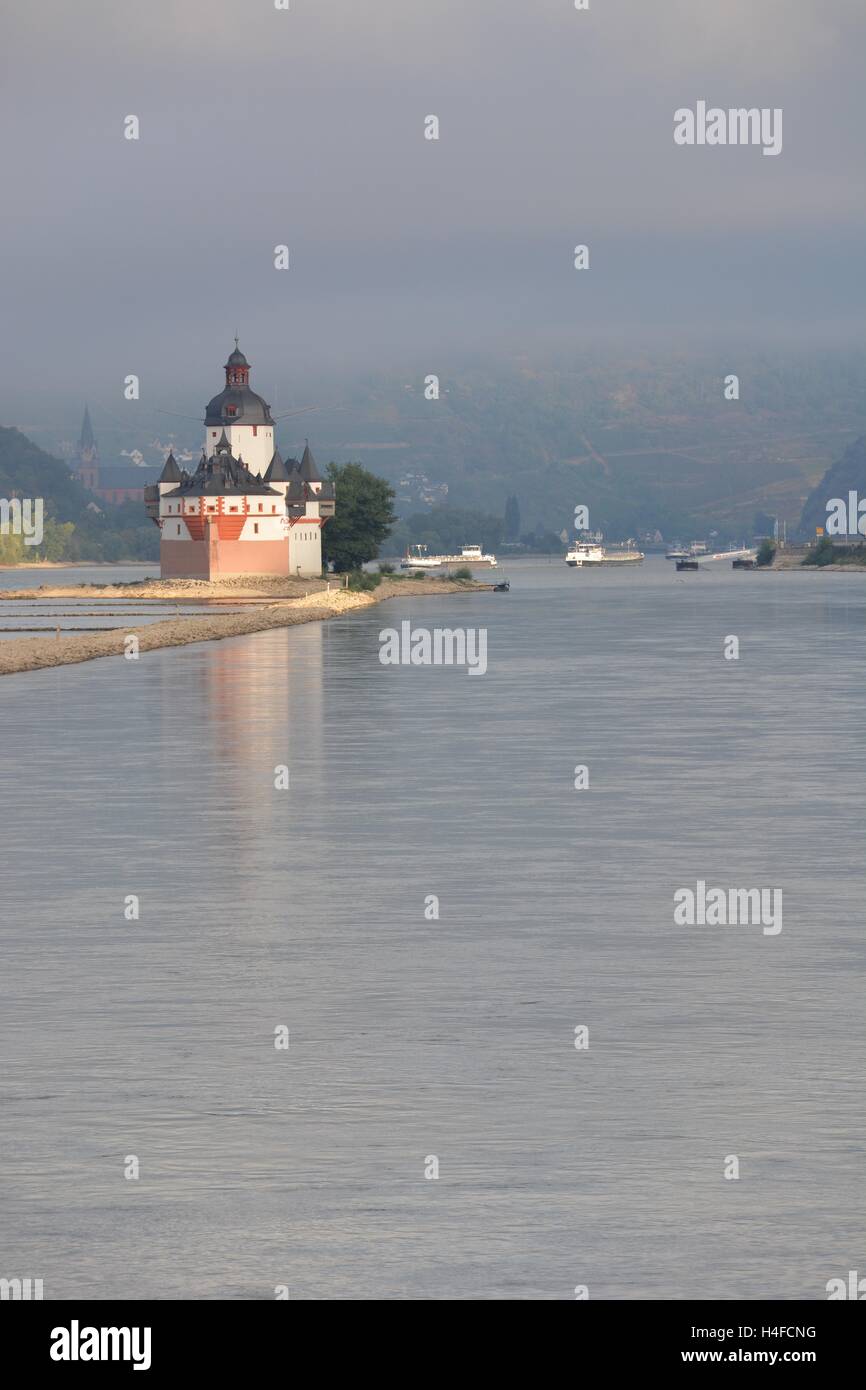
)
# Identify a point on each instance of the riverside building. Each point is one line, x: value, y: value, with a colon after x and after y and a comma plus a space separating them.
x: 244, y: 511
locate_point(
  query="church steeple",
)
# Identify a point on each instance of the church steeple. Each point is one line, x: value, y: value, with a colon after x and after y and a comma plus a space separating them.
x: 87, y: 442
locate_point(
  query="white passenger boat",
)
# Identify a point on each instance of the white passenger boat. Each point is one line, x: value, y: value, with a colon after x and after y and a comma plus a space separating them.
x: 584, y: 553
x: 417, y: 558
x: 591, y: 553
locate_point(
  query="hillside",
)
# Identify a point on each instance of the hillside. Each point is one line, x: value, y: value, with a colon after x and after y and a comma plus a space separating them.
x: 25, y: 471
x: 847, y: 474
x: 647, y: 442
x: 73, y: 529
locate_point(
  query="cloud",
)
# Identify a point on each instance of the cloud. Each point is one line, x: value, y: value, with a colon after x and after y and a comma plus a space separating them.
x: 306, y: 127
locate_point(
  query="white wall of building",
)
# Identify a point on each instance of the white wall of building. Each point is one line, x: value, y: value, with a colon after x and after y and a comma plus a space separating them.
x: 252, y: 443
x: 263, y: 527
x: 305, y: 549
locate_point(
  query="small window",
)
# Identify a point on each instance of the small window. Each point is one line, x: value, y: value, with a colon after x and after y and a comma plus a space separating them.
x: 256, y: 527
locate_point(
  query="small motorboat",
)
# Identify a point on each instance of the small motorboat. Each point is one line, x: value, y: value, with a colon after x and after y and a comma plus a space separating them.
x: 501, y: 588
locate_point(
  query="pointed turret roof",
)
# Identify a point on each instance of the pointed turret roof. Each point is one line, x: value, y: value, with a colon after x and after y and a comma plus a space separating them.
x: 277, y: 471
x: 170, y: 473
x: 307, y: 467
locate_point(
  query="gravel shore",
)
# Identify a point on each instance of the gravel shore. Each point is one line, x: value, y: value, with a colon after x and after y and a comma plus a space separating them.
x: 267, y: 604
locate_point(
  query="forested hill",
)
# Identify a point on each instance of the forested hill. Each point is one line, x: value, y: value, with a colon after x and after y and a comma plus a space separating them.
x: 25, y: 471
x: 645, y: 441
x: 73, y: 530
x: 847, y: 474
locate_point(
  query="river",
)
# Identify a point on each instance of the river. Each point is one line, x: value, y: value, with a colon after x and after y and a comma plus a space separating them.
x: 412, y: 1036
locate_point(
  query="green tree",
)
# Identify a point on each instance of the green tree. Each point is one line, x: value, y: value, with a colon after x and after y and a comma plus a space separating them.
x: 767, y: 552
x: 363, y: 517
x: 824, y: 553
x: 13, y: 550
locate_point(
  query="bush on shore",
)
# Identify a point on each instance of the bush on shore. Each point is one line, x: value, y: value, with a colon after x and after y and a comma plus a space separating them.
x: 824, y: 553
x: 361, y: 582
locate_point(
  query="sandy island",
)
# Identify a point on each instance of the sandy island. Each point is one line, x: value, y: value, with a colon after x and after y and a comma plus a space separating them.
x: 264, y: 603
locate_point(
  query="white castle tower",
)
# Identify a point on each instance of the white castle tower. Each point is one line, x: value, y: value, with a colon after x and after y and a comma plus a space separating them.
x: 244, y: 510
x: 245, y: 417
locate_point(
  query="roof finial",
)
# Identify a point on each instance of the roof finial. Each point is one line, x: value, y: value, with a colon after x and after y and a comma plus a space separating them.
x: 236, y: 340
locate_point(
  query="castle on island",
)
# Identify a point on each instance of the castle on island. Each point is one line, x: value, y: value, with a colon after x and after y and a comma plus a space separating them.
x: 244, y: 510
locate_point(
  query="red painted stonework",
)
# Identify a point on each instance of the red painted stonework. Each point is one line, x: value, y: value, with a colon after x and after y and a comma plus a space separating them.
x: 216, y: 558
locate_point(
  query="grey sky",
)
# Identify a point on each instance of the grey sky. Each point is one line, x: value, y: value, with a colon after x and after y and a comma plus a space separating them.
x: 260, y: 127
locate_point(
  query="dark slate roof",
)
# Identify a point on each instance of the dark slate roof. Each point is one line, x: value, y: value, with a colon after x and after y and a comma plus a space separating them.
x: 250, y: 409
x: 86, y: 441
x: 236, y: 358
x: 300, y: 491
x: 277, y: 471
x: 219, y: 475
x: 171, y: 472
x: 307, y: 467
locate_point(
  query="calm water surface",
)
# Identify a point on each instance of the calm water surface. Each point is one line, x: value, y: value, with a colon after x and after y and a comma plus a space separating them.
x: 31, y: 577
x: 454, y: 1038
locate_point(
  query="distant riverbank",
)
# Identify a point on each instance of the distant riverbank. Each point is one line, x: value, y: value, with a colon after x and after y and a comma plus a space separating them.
x: 795, y: 562
x: 265, y: 604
